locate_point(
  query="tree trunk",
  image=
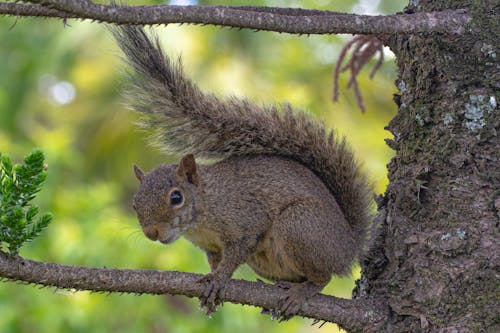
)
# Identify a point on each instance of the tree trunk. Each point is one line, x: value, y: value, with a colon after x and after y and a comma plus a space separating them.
x: 437, y: 256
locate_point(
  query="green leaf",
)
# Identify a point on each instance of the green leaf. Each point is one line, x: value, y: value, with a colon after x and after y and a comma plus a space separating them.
x: 31, y: 213
x: 6, y: 164
x: 19, y: 184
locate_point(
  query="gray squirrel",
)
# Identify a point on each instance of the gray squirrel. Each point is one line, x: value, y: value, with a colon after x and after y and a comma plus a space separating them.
x: 286, y: 196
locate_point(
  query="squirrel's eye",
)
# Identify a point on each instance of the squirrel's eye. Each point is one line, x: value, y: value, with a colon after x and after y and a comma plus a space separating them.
x: 176, y: 198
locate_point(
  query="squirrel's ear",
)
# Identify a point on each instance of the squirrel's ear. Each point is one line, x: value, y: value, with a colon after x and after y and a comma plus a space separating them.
x: 138, y: 173
x: 187, y: 169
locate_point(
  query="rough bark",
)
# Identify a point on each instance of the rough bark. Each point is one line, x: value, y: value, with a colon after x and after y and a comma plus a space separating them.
x: 437, y: 259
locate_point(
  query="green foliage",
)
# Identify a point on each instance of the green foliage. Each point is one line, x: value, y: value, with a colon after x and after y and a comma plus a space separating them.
x: 19, y: 184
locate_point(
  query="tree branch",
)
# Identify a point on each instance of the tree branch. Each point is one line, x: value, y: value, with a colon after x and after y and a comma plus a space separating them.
x: 33, y: 10
x: 295, y: 21
x: 353, y: 315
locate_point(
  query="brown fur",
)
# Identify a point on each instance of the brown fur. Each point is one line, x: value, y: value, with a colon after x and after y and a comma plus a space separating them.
x: 287, y: 198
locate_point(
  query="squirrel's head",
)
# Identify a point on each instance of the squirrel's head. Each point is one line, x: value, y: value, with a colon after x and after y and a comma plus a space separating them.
x: 166, y: 200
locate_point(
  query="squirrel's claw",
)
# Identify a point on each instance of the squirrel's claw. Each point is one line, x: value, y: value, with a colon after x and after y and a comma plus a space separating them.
x: 289, y: 308
x: 297, y: 295
x: 213, y: 289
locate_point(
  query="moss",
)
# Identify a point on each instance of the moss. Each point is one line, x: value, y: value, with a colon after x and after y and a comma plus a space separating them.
x: 466, y: 295
x: 485, y: 19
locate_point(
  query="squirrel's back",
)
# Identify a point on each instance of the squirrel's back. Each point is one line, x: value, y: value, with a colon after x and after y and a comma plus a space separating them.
x: 187, y: 120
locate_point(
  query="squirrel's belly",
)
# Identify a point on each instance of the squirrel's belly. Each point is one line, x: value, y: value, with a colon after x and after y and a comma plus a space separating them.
x: 268, y: 262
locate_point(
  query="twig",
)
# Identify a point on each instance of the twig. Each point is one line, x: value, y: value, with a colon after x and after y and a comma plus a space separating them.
x: 364, y: 48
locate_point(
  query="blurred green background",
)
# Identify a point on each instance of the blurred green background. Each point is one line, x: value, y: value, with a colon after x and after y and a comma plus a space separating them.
x: 60, y: 91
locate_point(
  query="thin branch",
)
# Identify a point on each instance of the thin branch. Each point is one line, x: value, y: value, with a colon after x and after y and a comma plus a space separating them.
x: 295, y: 21
x: 353, y: 315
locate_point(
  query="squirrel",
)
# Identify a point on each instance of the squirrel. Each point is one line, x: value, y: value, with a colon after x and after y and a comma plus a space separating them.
x: 286, y: 196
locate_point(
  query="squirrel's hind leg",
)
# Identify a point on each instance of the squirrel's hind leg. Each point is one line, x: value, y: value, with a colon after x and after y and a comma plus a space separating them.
x: 308, y: 254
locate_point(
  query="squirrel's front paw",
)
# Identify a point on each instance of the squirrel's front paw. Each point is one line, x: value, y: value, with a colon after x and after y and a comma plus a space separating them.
x: 213, y: 289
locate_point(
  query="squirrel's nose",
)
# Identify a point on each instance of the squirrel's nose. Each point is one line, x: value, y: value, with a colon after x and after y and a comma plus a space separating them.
x: 151, y: 232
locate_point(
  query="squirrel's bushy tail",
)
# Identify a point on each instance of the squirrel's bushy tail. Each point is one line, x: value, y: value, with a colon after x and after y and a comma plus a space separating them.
x: 187, y: 120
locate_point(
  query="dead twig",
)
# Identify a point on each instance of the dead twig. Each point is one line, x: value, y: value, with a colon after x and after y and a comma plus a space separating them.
x: 364, y: 48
